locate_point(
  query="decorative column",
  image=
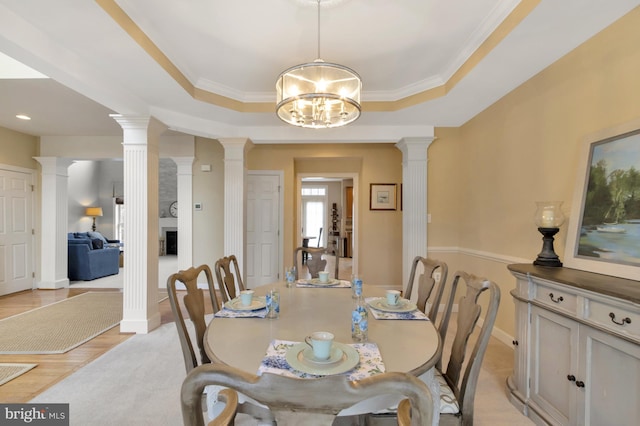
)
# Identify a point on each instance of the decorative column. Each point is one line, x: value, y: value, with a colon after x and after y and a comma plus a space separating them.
x: 235, y: 198
x: 54, y: 221
x: 414, y: 213
x: 141, y: 158
x: 185, y: 211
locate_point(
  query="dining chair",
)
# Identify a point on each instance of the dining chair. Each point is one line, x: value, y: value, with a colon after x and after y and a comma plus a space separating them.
x: 458, y: 382
x: 227, y: 416
x: 427, y: 281
x: 314, y: 401
x: 194, y: 303
x: 226, y: 278
x: 317, y: 261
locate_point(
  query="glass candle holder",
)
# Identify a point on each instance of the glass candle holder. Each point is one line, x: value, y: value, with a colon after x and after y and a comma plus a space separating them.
x: 549, y: 214
x: 549, y: 218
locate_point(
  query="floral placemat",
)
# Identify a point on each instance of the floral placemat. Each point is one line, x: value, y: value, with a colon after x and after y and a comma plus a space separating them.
x: 275, y: 361
x: 384, y: 315
x: 306, y: 283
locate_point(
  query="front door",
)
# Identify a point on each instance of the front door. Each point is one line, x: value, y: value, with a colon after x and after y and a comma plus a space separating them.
x: 15, y: 232
x: 263, y: 233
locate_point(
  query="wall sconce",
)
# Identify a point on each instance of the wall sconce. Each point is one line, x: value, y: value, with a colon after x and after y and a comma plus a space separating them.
x: 549, y: 218
x: 93, y: 212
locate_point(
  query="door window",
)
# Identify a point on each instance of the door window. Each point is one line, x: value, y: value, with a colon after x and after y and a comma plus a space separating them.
x: 314, y: 213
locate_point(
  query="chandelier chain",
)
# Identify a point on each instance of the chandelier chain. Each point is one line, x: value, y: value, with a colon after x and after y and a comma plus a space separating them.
x: 319, y: 30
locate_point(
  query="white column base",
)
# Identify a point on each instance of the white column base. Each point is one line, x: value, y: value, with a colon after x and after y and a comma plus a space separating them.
x: 63, y: 283
x: 142, y: 326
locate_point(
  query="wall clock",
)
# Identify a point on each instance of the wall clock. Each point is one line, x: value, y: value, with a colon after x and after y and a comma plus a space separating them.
x: 173, y: 209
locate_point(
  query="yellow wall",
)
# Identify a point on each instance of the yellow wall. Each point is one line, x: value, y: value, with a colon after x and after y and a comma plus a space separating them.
x: 18, y: 149
x: 380, y: 232
x: 208, y: 189
x: 525, y: 148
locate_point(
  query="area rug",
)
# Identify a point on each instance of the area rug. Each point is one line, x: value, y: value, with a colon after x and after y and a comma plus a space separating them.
x: 61, y: 326
x: 9, y: 371
x: 141, y: 377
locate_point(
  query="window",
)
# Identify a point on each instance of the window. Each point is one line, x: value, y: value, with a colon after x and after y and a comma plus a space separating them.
x: 317, y: 191
x: 314, y: 212
x: 118, y: 219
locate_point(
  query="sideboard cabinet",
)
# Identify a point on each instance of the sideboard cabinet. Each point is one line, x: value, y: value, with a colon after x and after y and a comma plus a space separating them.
x: 577, y: 347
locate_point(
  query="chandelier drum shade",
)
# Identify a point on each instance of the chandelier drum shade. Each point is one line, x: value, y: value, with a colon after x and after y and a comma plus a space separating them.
x: 318, y: 94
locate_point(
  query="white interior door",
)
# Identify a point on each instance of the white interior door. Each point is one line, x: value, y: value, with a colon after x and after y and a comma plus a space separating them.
x: 15, y: 232
x: 263, y: 230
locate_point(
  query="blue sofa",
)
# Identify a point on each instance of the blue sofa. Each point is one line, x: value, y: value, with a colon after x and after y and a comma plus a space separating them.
x: 91, y: 256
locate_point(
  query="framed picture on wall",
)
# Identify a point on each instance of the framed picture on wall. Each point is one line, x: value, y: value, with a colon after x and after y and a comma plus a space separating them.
x: 604, y: 227
x: 382, y: 196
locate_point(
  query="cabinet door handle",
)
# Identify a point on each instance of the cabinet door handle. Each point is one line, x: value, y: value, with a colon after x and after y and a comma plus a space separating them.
x: 580, y: 384
x: 515, y: 342
x: 571, y: 378
x: 558, y: 300
x: 624, y: 321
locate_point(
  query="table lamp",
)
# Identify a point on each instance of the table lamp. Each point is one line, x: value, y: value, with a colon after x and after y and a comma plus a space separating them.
x: 93, y: 212
x: 549, y: 218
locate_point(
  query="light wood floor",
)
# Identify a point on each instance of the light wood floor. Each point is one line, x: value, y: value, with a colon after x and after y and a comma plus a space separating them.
x: 492, y: 405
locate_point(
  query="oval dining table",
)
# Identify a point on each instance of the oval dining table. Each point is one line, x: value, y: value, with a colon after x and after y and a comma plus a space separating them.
x: 411, y: 346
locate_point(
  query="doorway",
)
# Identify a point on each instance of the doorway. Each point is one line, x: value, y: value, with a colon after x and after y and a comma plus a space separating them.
x: 338, y: 206
x: 16, y: 241
x: 263, y: 261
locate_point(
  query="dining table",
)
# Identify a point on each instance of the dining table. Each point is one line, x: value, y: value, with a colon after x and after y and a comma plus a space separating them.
x: 405, y: 345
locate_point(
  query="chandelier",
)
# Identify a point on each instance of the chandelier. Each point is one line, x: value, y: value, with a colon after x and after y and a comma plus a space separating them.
x: 318, y: 94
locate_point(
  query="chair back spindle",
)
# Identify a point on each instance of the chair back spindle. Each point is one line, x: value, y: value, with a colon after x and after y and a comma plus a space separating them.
x: 195, y: 306
x: 227, y: 278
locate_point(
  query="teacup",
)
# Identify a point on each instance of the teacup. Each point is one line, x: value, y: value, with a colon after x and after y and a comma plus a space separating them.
x: 393, y: 297
x: 320, y: 342
x: 246, y: 296
x: 323, y: 276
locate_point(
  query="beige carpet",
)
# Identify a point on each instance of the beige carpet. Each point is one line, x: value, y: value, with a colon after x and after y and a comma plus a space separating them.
x: 61, y: 326
x: 9, y: 372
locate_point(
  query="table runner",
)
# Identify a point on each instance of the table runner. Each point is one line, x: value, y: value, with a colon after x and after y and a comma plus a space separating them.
x: 383, y: 315
x: 275, y: 361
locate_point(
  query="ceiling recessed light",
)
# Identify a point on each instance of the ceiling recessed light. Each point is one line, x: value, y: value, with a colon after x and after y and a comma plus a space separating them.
x: 23, y: 117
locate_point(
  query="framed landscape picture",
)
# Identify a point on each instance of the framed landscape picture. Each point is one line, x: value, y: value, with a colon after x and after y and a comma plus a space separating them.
x: 604, y: 229
x: 382, y: 196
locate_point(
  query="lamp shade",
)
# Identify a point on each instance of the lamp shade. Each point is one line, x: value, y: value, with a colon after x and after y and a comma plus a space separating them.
x: 93, y: 211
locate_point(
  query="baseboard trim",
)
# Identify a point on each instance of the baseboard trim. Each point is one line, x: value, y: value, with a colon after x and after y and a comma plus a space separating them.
x: 499, y: 334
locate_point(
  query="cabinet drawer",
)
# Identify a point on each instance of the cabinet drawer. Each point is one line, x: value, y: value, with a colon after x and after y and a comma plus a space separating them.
x: 624, y: 321
x: 555, y: 298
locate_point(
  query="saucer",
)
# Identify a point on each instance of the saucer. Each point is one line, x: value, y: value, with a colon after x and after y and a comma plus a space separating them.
x: 236, y: 304
x: 336, y: 356
x: 403, y: 305
x: 348, y: 359
x: 316, y: 281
